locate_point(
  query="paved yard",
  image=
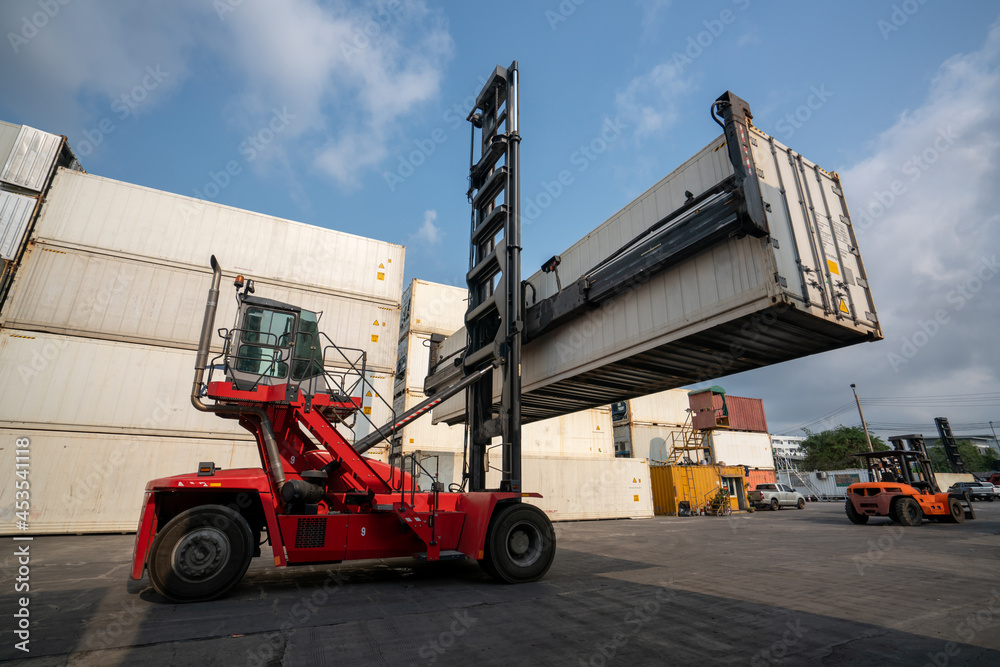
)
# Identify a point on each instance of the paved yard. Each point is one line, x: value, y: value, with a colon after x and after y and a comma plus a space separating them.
x: 772, y: 588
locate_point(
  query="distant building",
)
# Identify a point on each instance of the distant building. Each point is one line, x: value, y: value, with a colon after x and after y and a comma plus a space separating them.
x: 983, y: 443
x: 787, y: 446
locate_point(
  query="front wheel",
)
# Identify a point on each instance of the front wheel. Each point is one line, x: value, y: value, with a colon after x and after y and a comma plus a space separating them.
x: 854, y: 515
x: 775, y: 505
x: 908, y: 512
x: 801, y: 504
x: 200, y: 554
x: 520, y: 544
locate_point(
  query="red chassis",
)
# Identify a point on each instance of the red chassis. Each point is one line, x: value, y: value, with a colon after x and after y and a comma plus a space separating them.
x: 367, y: 509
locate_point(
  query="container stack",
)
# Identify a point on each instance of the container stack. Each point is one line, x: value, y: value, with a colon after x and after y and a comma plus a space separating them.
x: 101, y: 326
x: 736, y: 428
x: 649, y: 426
x: 569, y: 459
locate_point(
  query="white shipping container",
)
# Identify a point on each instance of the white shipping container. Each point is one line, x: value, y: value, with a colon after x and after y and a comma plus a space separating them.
x: 87, y: 211
x: 741, y: 448
x: 433, y: 308
x: 583, y: 434
x: 29, y: 159
x: 94, y: 482
x: 575, y: 488
x: 412, y: 356
x: 421, y: 434
x: 94, y: 294
x: 740, y: 304
x: 665, y: 407
x: 445, y: 466
x: 650, y: 441
x: 57, y: 382
x: 15, y: 212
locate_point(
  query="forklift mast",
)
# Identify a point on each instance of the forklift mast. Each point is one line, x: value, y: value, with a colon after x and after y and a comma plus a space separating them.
x: 495, y: 318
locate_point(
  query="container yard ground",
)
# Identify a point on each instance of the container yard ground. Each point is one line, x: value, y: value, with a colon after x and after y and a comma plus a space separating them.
x: 771, y: 588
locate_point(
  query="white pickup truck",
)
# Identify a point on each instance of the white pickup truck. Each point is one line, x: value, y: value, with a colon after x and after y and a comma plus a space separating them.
x: 776, y: 496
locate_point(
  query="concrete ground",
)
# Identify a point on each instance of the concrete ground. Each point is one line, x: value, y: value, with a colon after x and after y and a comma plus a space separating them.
x: 772, y: 588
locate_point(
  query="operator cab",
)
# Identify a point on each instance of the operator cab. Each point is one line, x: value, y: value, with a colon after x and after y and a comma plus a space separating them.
x: 274, y: 343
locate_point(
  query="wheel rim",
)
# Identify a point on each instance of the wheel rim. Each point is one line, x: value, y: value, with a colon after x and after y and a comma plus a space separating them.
x: 911, y: 511
x: 524, y: 544
x: 200, y: 554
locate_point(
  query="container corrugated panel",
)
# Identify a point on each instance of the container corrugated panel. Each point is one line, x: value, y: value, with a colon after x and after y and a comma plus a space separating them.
x: 760, y: 476
x: 50, y: 381
x: 94, y: 482
x: 99, y: 295
x: 743, y: 303
x: 697, y: 485
x: 665, y: 407
x: 8, y: 137
x: 376, y: 405
x: 412, y: 355
x: 650, y: 441
x: 742, y: 448
x: 745, y: 414
x: 421, y: 434
x: 579, y: 488
x: 583, y: 434
x: 88, y: 211
x: 15, y: 212
x: 30, y: 159
x: 433, y: 308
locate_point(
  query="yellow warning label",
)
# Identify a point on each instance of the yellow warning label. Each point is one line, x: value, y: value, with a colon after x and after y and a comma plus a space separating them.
x: 375, y: 323
x: 215, y: 484
x: 374, y: 338
x: 368, y: 394
x: 635, y: 498
x: 418, y: 320
x: 843, y: 307
x: 368, y: 411
x: 411, y: 441
x: 381, y: 266
x: 833, y: 266
x: 598, y: 428
x: 380, y: 276
x: 633, y: 481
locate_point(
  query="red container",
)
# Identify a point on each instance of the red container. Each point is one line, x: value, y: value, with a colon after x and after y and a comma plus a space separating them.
x: 740, y: 414
x: 760, y: 476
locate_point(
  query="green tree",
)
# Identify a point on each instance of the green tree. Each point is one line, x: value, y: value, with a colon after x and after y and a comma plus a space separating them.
x: 832, y: 449
x: 974, y: 461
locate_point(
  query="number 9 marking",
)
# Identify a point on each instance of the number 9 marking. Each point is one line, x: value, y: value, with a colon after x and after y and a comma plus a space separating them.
x: 362, y: 531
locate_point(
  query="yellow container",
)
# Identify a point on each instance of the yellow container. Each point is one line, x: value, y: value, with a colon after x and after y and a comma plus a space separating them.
x: 697, y: 485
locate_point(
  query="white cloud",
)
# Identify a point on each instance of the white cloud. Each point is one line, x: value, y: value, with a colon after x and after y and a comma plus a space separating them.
x: 429, y: 233
x: 930, y: 249
x: 348, y: 72
x: 652, y: 11
x: 649, y: 102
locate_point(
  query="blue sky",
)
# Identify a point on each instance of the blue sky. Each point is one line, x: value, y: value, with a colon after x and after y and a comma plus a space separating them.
x: 351, y: 116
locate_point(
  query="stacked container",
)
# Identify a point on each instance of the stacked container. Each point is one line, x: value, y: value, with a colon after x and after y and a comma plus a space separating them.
x: 650, y: 426
x: 101, y: 327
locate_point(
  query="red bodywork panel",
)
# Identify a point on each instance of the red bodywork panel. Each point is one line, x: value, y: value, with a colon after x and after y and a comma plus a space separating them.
x: 875, y: 498
x: 369, y: 509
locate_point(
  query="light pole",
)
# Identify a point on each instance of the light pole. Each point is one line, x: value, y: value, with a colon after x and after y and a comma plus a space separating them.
x: 864, y: 424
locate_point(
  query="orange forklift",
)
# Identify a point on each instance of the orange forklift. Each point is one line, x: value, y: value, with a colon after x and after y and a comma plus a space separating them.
x: 905, y: 490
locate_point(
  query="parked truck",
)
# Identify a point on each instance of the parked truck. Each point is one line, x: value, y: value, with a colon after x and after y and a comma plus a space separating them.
x: 776, y: 496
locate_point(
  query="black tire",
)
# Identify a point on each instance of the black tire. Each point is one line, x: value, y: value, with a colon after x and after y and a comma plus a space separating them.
x: 956, y: 513
x: 520, y: 544
x: 801, y: 504
x: 908, y: 511
x: 775, y: 505
x: 991, y: 498
x: 200, y: 554
x: 854, y: 515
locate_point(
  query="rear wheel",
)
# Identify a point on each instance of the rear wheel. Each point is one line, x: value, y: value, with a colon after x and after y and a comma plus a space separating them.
x: 854, y: 515
x: 956, y: 513
x: 801, y: 504
x: 520, y: 544
x: 200, y: 554
x: 775, y: 505
x: 908, y: 512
